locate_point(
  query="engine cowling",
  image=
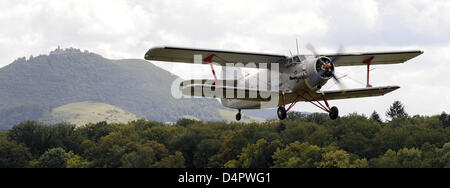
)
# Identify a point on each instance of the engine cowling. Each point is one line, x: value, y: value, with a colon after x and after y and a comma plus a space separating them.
x: 313, y: 67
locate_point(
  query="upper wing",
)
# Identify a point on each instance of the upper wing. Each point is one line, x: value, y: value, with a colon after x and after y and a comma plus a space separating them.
x: 186, y: 55
x: 378, y: 58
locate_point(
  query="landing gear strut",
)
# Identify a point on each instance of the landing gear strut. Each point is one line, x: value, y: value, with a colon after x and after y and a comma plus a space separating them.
x: 239, y: 116
x: 333, y: 111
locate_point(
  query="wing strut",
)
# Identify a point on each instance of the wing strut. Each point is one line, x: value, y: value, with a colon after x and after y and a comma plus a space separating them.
x: 368, y: 61
x: 209, y: 60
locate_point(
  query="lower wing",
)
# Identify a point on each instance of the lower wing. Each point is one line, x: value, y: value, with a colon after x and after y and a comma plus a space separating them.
x: 341, y: 94
x: 231, y: 92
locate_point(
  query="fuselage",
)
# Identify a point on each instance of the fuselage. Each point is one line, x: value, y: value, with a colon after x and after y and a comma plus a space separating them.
x: 297, y: 75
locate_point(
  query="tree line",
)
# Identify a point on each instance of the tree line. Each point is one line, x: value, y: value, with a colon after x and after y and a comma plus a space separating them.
x: 301, y: 141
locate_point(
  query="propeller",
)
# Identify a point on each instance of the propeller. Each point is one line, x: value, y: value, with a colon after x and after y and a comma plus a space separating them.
x: 328, y: 68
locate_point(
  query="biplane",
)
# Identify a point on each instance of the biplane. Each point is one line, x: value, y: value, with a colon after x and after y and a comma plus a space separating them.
x: 300, y: 77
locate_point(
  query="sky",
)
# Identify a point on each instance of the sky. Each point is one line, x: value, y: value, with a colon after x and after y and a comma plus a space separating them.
x: 119, y: 29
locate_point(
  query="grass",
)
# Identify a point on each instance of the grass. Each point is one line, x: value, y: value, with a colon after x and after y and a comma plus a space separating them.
x: 82, y: 113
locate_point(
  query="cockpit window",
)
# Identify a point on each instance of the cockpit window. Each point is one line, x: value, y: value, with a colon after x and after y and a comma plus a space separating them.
x: 296, y: 59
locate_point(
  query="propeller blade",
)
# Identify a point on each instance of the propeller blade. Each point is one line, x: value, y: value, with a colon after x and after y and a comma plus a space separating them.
x: 311, y: 48
x: 340, y: 84
x: 335, y: 77
x: 316, y: 77
x: 338, y: 54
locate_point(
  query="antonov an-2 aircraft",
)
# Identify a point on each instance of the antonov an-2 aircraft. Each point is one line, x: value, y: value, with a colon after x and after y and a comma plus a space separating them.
x: 300, y: 77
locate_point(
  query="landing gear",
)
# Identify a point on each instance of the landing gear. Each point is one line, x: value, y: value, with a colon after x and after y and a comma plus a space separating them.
x: 282, y: 113
x: 334, y: 113
x: 239, y: 116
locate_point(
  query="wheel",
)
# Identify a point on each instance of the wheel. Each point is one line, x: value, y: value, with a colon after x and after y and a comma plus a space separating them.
x: 238, y: 116
x: 334, y: 114
x: 281, y: 113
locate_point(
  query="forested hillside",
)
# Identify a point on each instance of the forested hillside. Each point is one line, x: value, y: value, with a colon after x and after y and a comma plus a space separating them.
x: 302, y: 141
x: 31, y: 88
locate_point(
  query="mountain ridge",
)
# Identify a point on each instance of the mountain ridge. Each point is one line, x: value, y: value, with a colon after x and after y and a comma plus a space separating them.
x: 71, y: 75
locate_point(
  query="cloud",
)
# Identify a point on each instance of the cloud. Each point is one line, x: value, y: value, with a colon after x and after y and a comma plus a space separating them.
x: 112, y: 27
x: 128, y: 28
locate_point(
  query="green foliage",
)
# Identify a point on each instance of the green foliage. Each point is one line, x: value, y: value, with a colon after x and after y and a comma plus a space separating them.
x: 39, y: 137
x: 143, y: 156
x: 185, y: 122
x: 404, y: 158
x: 444, y: 119
x: 295, y: 116
x: 75, y: 161
x: 397, y: 110
x: 12, y: 154
x: 172, y: 161
x: 205, y: 150
x: 298, y: 155
x: 97, y: 130
x: 340, y: 159
x: 352, y: 141
x: 376, y: 117
x: 258, y: 155
x: 53, y: 158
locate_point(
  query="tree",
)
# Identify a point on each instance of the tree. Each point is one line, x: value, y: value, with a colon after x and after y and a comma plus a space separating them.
x: 340, y: 159
x: 172, y: 161
x: 376, y: 117
x: 404, y: 158
x: 96, y: 131
x: 75, y: 161
x: 144, y: 156
x: 294, y: 116
x: 258, y: 155
x: 297, y: 155
x: 13, y: 155
x: 397, y: 110
x: 185, y: 122
x: 110, y: 150
x: 53, y: 158
x: 444, y: 118
x: 32, y: 134
x: 205, y: 150
x: 409, y: 158
x: 39, y: 137
x: 445, y: 158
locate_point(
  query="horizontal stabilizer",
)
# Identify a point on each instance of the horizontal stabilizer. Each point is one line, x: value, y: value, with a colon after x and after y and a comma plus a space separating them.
x: 227, y: 92
x: 232, y: 83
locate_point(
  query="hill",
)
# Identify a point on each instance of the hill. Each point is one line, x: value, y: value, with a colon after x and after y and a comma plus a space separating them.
x: 31, y: 88
x: 82, y: 113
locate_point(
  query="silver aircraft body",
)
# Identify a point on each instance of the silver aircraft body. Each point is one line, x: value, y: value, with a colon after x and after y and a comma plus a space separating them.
x: 299, y: 78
